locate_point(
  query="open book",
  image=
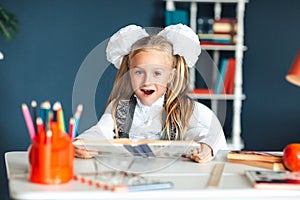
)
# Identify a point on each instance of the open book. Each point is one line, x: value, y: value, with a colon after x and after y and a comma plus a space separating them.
x: 144, y: 148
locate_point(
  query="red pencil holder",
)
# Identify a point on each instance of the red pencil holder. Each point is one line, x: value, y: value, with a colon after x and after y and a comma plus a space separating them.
x: 51, y: 163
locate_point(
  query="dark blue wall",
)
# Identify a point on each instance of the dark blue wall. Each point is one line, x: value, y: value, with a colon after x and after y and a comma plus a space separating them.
x: 56, y: 36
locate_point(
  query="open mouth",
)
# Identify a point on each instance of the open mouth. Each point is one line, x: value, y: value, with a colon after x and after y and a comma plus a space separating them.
x: 147, y: 92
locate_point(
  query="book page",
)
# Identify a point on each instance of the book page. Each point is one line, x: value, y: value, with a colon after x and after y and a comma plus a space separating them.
x: 144, y: 148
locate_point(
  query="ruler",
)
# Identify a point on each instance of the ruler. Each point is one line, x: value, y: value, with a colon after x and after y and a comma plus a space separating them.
x: 215, y: 175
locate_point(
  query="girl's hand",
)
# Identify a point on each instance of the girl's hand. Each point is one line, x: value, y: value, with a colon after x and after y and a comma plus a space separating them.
x: 84, y: 153
x: 205, y: 155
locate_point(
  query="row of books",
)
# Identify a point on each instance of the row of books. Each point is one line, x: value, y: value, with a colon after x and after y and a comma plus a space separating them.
x: 273, y: 174
x: 271, y: 161
x: 217, y: 31
x: 225, y: 80
x: 210, y: 31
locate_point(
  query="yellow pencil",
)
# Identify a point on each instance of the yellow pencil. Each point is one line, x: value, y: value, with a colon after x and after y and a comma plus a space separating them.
x: 60, y: 117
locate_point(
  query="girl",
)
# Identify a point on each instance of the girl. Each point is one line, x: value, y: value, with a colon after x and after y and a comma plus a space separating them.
x: 149, y: 97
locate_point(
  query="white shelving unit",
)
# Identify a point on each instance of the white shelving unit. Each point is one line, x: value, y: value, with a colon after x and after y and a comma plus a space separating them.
x: 235, y: 142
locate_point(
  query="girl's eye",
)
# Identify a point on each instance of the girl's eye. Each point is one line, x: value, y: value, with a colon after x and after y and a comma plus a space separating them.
x: 157, y: 73
x: 138, y: 72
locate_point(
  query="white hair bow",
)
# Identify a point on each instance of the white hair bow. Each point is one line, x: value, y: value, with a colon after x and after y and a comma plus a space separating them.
x: 184, y: 40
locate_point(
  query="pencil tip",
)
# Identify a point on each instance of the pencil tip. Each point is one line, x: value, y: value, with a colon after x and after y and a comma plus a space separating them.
x: 49, y: 134
x: 33, y: 103
x: 56, y: 105
x: 80, y: 107
x: 71, y: 120
x: 46, y: 105
x: 39, y: 121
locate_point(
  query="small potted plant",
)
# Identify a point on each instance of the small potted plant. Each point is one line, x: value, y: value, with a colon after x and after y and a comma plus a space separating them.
x: 8, y: 25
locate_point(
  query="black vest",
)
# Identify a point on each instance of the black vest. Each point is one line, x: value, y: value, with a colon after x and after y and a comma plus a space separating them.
x: 124, y: 117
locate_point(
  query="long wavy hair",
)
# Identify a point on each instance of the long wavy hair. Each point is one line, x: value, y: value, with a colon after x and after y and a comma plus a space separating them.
x: 178, y: 106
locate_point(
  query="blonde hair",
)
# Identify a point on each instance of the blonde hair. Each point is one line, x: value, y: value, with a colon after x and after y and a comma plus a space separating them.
x: 178, y: 106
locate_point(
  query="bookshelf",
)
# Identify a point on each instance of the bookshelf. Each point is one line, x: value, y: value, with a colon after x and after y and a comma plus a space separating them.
x: 235, y: 140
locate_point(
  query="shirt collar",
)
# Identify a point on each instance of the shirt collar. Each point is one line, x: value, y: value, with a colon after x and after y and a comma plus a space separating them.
x: 158, y: 102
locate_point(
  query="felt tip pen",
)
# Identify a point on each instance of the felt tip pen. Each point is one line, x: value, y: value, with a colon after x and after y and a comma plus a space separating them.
x: 143, y: 187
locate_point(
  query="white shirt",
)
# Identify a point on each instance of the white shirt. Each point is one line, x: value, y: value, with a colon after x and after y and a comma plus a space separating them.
x: 204, y: 126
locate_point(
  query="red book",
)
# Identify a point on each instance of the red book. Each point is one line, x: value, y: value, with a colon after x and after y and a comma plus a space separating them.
x: 276, y: 180
x: 202, y: 91
x: 229, y: 77
x: 213, y: 43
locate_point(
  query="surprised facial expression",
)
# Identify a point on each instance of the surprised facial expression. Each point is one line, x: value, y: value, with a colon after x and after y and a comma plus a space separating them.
x: 150, y: 72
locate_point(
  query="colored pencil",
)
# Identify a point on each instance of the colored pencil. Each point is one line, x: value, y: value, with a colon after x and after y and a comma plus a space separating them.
x: 60, y: 117
x: 76, y: 119
x: 34, y: 113
x: 46, y: 106
x: 48, y: 137
x: 39, y: 124
x: 71, y: 127
x: 28, y: 121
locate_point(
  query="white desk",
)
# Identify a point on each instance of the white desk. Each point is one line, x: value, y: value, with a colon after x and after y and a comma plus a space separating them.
x: 189, y: 180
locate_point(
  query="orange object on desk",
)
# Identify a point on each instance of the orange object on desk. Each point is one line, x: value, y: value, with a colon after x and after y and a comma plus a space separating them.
x: 51, y: 157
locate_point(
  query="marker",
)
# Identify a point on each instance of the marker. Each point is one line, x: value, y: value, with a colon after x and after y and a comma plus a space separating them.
x: 143, y: 187
x: 28, y: 121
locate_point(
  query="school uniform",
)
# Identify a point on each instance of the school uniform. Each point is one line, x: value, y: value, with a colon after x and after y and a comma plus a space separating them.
x: 145, y: 122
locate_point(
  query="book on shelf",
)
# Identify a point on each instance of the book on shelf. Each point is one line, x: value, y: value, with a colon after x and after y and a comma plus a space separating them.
x: 277, y: 180
x: 202, y: 91
x: 210, y: 43
x: 272, y: 161
x: 229, y: 77
x: 225, y: 25
x: 220, y: 79
x: 141, y: 148
x: 176, y: 17
x: 224, y: 38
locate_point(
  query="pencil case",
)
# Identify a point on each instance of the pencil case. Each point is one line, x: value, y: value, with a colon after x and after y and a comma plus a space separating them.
x: 51, y: 158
